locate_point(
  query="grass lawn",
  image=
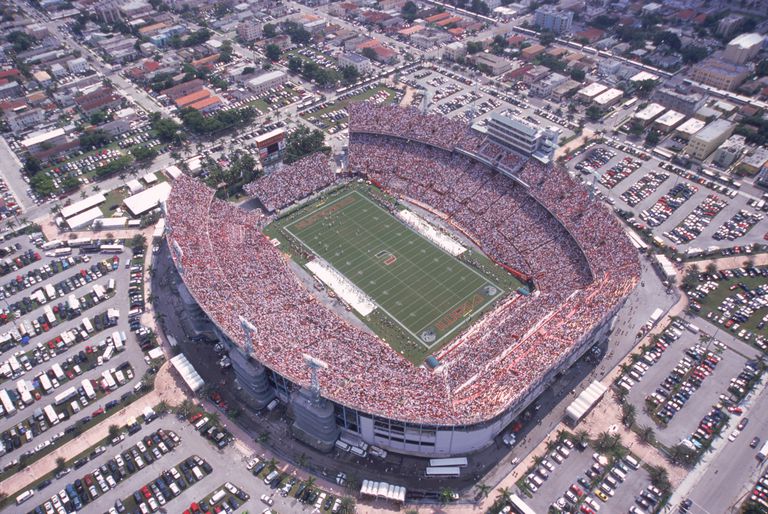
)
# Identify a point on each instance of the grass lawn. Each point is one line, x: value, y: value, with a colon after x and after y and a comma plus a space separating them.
x: 716, y: 297
x: 424, y: 296
x: 114, y: 199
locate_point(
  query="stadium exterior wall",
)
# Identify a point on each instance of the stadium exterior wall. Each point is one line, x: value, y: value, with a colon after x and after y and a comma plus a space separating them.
x: 421, y: 440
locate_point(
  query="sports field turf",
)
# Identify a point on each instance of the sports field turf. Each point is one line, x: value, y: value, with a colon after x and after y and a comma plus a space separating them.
x: 427, y: 292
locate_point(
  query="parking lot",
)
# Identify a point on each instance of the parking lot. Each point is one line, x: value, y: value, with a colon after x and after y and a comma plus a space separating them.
x: 579, y: 479
x: 684, y: 421
x: 689, y: 212
x: 186, y: 449
x: 77, y: 358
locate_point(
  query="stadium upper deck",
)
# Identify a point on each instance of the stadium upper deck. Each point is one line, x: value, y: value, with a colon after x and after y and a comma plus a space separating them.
x: 571, y: 246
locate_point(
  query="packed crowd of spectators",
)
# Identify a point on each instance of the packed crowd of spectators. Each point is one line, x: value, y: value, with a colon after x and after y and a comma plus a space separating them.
x: 582, y: 265
x: 292, y: 182
x: 411, y: 124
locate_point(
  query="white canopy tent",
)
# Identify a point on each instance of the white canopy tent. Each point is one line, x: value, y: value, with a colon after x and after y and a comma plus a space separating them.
x: 383, y: 490
x: 187, y: 372
x: 585, y: 401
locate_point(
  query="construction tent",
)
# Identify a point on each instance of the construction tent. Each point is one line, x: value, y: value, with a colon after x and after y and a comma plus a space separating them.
x: 585, y: 401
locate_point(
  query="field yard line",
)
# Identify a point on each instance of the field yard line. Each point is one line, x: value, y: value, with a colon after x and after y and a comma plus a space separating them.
x: 412, y: 259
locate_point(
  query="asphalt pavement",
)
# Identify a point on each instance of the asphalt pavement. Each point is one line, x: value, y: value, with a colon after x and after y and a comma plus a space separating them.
x: 132, y: 353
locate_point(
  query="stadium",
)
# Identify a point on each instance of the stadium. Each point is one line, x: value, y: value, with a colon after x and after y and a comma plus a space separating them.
x: 420, y: 300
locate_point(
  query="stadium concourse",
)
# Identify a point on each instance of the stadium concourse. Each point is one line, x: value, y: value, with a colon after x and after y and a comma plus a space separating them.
x: 541, y: 224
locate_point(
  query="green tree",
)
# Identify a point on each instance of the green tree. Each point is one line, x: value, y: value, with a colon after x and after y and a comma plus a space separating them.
x: 499, y: 44
x: 98, y: 117
x: 594, y: 113
x: 61, y: 463
x: 370, y: 53
x: 479, y: 7
x: 304, y: 142
x: 546, y: 37
x: 693, y: 54
x: 474, y: 47
x: 652, y: 138
x: 32, y: 165
x: 225, y: 51
x: 347, y: 505
x: 298, y: 34
x: 447, y: 495
x: 114, y: 431
x: 269, y: 30
x: 143, y: 153
x: 349, y: 74
x: 483, y: 490
x: 167, y: 130
x: 272, y: 52
x: 410, y: 11
x: 21, y: 41
x: 294, y: 64
x: 42, y: 184
x: 646, y: 434
x: 578, y: 74
x: 93, y: 139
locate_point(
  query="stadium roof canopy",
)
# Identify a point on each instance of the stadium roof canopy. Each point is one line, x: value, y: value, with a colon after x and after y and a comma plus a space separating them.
x: 187, y: 372
x: 586, y: 400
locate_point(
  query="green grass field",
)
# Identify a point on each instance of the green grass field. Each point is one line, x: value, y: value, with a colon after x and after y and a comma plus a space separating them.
x: 716, y: 297
x: 429, y: 294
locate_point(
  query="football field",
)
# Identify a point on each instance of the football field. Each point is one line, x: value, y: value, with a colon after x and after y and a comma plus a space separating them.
x: 426, y: 291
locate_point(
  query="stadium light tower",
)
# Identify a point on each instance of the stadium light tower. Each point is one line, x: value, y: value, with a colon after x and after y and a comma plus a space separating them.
x: 314, y: 364
x: 249, y: 330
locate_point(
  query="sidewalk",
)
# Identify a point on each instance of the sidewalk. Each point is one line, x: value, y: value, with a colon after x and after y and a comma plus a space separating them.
x: 166, y: 389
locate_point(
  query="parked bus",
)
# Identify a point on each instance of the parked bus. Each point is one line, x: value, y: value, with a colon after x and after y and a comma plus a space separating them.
x: 59, y: 252
x: 664, y: 154
x: 45, y: 383
x: 56, y: 368
x: 109, y: 381
x: 65, y: 396
x: 444, y: 471
x: 112, y: 248
x: 455, y: 461
x: 49, y: 314
x: 23, y: 388
x: 5, y: 399
x: 88, y: 388
x: 52, y: 245
x: 74, y: 243
x: 53, y: 418
x: 73, y: 303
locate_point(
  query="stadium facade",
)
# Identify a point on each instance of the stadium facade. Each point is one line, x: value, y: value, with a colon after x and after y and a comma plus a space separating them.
x: 320, y: 414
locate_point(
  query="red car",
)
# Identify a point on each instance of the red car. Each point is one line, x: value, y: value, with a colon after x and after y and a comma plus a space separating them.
x: 98, y: 412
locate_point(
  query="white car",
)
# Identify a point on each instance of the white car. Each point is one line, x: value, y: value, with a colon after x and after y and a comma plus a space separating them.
x: 267, y: 499
x: 734, y: 435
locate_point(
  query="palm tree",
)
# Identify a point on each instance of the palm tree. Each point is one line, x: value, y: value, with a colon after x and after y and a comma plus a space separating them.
x: 606, y: 442
x: 60, y: 463
x: 263, y: 437
x: 711, y: 268
x: 537, y: 459
x: 114, y: 431
x: 162, y: 407
x: 272, y: 464
x: 310, y: 482
x: 582, y: 437
x: 83, y: 194
x: 646, y: 433
x: 483, y: 490
x: 659, y: 477
x: 447, y: 495
x: 551, y: 445
x: 505, y: 493
x: 628, y: 414
x: 348, y: 505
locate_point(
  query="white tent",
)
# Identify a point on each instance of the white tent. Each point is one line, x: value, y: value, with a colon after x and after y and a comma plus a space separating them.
x: 187, y: 372
x: 585, y: 401
x: 383, y: 490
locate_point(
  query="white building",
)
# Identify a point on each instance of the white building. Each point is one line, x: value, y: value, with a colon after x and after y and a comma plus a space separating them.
x: 78, y: 65
x: 727, y: 153
x: 266, y: 81
x: 743, y: 48
x: 249, y: 30
x: 357, y: 61
x: 524, y: 137
x: 553, y: 20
